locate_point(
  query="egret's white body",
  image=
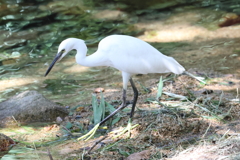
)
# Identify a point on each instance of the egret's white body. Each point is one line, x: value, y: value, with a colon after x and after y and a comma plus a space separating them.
x: 125, y: 53
x: 128, y: 54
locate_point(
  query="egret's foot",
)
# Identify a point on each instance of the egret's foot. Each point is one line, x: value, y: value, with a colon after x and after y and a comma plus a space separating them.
x: 90, y: 133
x: 128, y: 128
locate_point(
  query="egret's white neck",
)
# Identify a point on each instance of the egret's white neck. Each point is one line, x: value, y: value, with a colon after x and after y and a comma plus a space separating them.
x: 93, y: 60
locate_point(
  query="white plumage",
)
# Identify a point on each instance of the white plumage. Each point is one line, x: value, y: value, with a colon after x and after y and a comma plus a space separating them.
x: 125, y: 53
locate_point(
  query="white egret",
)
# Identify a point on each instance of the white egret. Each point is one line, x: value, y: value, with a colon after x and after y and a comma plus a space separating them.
x: 128, y: 54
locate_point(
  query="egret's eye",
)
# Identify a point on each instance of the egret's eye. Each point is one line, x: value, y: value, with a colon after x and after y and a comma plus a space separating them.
x: 63, y: 50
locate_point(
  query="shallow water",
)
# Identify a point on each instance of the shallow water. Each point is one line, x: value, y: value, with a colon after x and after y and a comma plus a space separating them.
x: 31, y: 33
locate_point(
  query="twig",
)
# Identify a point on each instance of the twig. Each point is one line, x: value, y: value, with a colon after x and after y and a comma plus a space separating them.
x: 111, y: 145
x: 96, y: 143
x: 16, y: 121
x: 206, y: 130
x: 49, y: 154
x: 237, y: 93
x: 221, y: 97
x: 224, y: 135
x: 35, y: 149
x: 83, y: 154
x: 201, y: 48
x: 67, y: 130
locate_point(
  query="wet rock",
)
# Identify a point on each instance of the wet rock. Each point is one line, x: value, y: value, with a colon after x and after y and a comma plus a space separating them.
x: 29, y: 106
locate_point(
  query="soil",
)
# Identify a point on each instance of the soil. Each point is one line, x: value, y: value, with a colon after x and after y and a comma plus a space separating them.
x: 206, y: 126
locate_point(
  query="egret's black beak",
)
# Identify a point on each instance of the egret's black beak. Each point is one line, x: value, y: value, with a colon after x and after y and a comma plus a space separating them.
x: 53, y: 62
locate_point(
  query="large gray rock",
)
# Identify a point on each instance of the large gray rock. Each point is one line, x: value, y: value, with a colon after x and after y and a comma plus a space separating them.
x: 29, y: 106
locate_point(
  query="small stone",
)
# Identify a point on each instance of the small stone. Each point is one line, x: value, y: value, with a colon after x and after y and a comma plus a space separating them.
x: 59, y: 120
x: 79, y: 109
x: 139, y: 155
x: 66, y: 119
x: 207, y: 91
x: 98, y: 90
x: 67, y: 107
x: 231, y: 83
x: 77, y: 117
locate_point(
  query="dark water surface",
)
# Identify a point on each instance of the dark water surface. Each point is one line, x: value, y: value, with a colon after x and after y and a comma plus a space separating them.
x: 30, y: 34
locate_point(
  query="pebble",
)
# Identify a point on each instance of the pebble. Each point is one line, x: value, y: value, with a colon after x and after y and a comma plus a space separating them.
x: 231, y: 83
x: 77, y: 117
x: 98, y: 90
x: 59, y: 120
x: 67, y: 107
x: 207, y: 91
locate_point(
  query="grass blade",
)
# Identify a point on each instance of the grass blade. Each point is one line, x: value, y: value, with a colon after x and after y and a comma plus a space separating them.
x: 201, y: 79
x: 176, y: 96
x: 160, y: 87
x: 102, y: 106
x: 97, y: 113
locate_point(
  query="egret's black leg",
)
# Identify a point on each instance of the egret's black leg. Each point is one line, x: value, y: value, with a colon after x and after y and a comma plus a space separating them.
x: 135, y: 97
x: 129, y: 126
x: 123, y: 105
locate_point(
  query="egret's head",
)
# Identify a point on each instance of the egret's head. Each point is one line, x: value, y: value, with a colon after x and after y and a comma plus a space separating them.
x: 66, y: 46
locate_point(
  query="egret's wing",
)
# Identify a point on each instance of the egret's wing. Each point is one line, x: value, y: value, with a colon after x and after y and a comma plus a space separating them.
x: 135, y: 56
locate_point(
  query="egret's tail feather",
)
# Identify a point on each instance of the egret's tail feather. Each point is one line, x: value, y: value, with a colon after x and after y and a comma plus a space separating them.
x: 173, y: 66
